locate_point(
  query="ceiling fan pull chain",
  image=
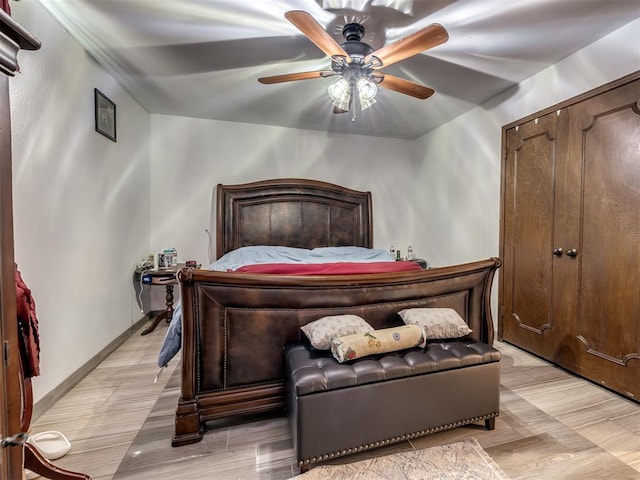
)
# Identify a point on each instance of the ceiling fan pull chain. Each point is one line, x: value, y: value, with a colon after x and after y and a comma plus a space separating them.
x: 355, y: 99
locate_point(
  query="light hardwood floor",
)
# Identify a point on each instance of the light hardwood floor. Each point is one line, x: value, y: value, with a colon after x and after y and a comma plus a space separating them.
x: 552, y: 425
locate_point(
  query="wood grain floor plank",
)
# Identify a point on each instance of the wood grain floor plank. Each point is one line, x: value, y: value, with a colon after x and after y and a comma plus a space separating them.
x: 552, y: 425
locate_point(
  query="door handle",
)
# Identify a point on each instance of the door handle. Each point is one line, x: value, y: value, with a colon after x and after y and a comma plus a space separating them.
x: 557, y: 251
x: 572, y: 252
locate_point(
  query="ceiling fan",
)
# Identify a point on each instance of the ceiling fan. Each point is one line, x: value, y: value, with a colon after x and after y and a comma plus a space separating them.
x: 358, y: 64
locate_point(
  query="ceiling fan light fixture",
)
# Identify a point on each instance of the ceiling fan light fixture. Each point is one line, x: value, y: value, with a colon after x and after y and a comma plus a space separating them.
x: 339, y: 90
x: 343, y: 103
x: 364, y: 103
x: 366, y: 89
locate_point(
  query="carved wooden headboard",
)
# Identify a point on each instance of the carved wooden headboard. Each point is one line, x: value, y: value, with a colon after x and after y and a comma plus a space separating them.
x: 291, y: 212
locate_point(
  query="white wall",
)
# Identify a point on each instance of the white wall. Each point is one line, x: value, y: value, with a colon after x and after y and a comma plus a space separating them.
x: 81, y: 201
x: 457, y: 192
x: 190, y: 156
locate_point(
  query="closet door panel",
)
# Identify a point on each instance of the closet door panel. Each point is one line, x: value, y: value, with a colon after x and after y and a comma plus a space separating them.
x: 530, y: 166
x: 608, y: 319
x: 571, y: 181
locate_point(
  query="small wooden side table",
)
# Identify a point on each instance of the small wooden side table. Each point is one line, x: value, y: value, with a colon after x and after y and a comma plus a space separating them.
x: 166, y: 277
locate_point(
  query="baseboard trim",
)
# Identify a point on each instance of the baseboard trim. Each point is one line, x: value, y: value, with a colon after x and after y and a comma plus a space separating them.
x: 50, y: 399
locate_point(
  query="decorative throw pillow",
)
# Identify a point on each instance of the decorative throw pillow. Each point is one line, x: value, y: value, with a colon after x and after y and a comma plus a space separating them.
x: 350, y: 347
x: 321, y: 331
x: 438, y: 323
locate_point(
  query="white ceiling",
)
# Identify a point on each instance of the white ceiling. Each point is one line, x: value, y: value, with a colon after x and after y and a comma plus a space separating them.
x: 202, y: 58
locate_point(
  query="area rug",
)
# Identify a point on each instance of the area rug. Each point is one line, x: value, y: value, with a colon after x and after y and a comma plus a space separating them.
x: 455, y: 461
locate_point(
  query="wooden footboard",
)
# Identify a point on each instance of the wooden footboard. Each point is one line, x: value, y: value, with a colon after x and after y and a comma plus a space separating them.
x: 236, y: 325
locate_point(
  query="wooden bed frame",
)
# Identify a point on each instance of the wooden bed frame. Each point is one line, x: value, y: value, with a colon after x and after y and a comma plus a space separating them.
x: 235, y: 326
x: 291, y: 212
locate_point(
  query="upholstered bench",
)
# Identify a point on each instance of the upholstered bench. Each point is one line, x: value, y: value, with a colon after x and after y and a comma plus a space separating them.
x: 335, y: 409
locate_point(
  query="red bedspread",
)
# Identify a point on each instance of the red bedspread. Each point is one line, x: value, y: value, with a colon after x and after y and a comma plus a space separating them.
x: 339, y: 268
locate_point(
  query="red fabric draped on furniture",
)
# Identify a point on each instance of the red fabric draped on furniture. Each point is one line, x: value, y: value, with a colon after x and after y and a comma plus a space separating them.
x: 28, y: 336
x: 337, y: 268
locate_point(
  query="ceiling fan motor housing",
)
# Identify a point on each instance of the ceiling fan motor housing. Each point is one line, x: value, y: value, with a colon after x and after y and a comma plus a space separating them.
x: 353, y: 31
x: 356, y: 49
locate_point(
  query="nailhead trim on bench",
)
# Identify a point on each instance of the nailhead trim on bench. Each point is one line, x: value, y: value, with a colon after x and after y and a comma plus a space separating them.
x: 388, y: 441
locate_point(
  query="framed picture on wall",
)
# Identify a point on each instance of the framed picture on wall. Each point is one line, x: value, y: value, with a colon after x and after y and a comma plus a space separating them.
x: 105, y: 111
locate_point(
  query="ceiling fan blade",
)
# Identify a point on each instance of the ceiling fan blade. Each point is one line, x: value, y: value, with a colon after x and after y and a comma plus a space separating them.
x: 314, y: 32
x: 290, y: 77
x: 401, y: 85
x: 419, y: 41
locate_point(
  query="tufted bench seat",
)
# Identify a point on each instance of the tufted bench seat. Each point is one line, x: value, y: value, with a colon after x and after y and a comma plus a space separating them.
x: 335, y: 409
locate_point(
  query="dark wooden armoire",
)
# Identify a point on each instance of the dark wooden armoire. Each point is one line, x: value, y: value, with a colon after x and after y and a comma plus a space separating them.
x: 569, y: 287
x: 12, y: 38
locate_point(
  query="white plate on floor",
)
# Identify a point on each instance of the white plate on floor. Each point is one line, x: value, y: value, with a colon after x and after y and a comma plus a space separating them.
x: 50, y: 444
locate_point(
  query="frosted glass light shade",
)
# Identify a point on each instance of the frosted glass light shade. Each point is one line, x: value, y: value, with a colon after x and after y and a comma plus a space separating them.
x: 367, y: 89
x: 339, y: 90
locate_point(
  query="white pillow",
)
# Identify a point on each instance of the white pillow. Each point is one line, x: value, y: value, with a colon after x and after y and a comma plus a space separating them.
x: 321, y: 331
x: 438, y: 323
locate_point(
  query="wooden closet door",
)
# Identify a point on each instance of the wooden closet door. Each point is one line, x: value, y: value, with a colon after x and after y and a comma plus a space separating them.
x: 572, y: 186
x: 532, y: 168
x: 605, y: 142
